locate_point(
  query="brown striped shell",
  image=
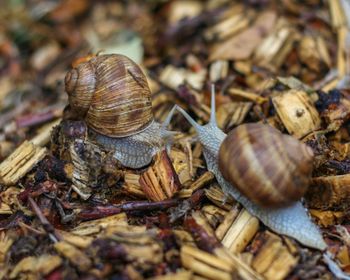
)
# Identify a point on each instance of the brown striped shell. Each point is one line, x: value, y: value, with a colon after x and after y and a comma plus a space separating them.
x: 270, y: 168
x: 111, y: 93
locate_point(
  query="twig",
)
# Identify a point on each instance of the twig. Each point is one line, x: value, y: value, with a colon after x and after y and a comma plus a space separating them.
x: 46, y: 224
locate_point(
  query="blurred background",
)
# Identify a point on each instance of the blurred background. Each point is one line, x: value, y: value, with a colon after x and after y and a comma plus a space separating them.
x: 182, y: 46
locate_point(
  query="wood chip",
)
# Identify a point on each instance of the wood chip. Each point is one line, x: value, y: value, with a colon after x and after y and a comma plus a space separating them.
x: 308, y: 53
x: 77, y: 257
x: 38, y: 266
x: 9, y: 200
x: 95, y: 226
x: 243, y: 44
x: 174, y: 77
x: 230, y: 217
x: 335, y: 117
x: 5, y: 245
x: 179, y: 275
x: 213, y: 214
x: 20, y: 162
x: 218, y: 70
x: 241, y: 232
x: 231, y: 22
x: 327, y: 218
x: 216, y: 195
x: 201, y: 220
x: 251, y: 96
x: 204, y: 179
x: 297, y: 112
x: 232, y: 114
x: 205, y: 264
x: 79, y: 241
x: 273, y: 260
x: 201, y: 182
x: 160, y: 181
x: 275, y: 47
x: 337, y: 14
x: 329, y: 192
x: 132, y: 185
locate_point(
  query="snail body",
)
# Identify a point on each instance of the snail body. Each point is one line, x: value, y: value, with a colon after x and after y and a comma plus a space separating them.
x: 291, y: 220
x: 111, y: 94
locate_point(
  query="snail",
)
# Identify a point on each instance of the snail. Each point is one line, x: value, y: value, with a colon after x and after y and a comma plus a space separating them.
x: 292, y: 219
x: 270, y: 168
x: 111, y: 94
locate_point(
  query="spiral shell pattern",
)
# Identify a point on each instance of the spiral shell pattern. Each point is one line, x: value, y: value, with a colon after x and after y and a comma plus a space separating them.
x: 112, y: 94
x: 270, y: 168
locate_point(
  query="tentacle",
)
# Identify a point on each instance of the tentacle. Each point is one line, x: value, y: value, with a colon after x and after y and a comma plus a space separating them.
x: 213, y: 109
x: 169, y: 117
x: 167, y: 135
x: 189, y: 118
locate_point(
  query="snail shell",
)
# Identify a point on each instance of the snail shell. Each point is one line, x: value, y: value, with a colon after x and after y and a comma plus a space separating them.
x: 268, y: 167
x: 111, y: 93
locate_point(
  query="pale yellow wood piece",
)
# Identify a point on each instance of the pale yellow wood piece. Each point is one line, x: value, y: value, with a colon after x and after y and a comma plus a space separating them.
x: 251, y: 96
x: 20, y: 162
x: 297, y: 112
x: 39, y: 266
x: 179, y: 275
x: 337, y: 13
x: 241, y: 232
x: 77, y: 257
x: 205, y: 264
x: 273, y: 260
x: 95, y: 226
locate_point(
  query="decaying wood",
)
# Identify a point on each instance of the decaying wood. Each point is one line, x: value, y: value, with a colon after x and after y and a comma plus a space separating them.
x: 9, y: 200
x: 22, y: 160
x: 87, y: 162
